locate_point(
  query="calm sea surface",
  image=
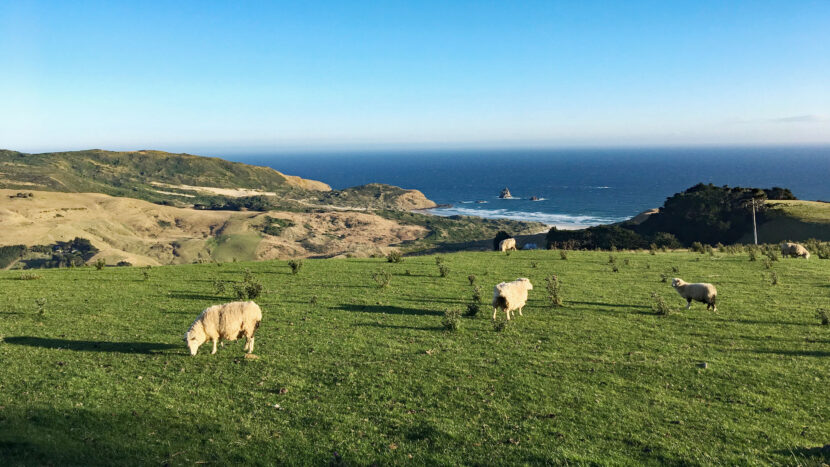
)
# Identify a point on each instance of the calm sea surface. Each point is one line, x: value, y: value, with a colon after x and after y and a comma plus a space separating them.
x: 575, y: 188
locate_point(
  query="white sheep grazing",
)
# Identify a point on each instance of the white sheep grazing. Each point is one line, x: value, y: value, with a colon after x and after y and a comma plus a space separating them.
x: 511, y: 296
x: 507, y: 244
x: 699, y: 292
x: 795, y: 250
x: 229, y: 321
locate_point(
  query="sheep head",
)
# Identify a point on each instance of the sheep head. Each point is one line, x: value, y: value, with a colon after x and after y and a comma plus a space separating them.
x: 195, y: 337
x: 526, y: 282
x: 676, y: 282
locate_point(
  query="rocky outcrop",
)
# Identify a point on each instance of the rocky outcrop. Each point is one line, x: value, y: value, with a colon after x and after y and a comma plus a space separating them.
x: 505, y: 194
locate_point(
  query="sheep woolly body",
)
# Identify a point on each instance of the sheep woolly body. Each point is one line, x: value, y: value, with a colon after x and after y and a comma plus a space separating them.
x: 507, y: 244
x: 511, y: 296
x: 229, y: 321
x: 794, y: 250
x: 699, y: 292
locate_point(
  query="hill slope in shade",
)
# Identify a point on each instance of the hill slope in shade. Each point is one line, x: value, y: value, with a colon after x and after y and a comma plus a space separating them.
x: 794, y: 221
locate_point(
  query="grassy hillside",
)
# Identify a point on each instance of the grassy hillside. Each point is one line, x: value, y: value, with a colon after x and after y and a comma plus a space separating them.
x: 94, y: 370
x: 185, y: 180
x: 130, y: 173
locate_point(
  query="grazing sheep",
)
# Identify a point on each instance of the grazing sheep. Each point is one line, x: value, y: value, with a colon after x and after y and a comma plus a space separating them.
x: 511, y: 296
x: 795, y: 250
x: 229, y: 321
x: 699, y: 292
x: 507, y: 244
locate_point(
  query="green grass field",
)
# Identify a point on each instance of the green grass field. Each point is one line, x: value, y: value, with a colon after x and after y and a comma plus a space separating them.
x: 356, y: 374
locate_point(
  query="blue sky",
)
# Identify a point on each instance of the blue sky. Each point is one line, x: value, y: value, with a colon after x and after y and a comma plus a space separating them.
x: 214, y: 77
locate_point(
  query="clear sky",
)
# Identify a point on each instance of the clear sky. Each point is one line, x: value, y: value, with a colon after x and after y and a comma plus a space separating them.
x: 243, y: 76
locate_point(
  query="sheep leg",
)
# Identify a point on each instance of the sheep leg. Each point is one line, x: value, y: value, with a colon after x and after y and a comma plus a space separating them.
x: 688, y: 303
x: 251, y: 345
x: 520, y: 312
x: 507, y: 312
x: 494, y: 313
x: 214, y: 346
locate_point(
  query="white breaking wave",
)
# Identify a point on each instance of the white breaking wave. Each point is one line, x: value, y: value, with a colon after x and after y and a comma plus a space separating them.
x: 565, y: 221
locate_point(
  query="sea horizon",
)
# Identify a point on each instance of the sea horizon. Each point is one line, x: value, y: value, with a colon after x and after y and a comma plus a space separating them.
x: 575, y: 188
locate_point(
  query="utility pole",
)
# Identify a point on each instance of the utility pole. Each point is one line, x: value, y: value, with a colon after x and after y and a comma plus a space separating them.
x: 754, y: 225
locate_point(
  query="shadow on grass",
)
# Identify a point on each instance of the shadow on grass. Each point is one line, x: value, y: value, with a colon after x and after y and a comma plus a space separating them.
x: 37, y: 436
x: 435, y: 300
x: 793, y: 353
x: 391, y: 310
x: 819, y: 453
x: 90, y: 346
x: 756, y: 321
x: 396, y: 326
x: 196, y: 296
x: 611, y: 305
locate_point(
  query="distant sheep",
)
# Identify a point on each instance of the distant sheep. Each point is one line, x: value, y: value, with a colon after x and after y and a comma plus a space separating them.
x: 510, y: 296
x: 795, y: 250
x: 507, y: 244
x: 229, y: 321
x: 698, y: 292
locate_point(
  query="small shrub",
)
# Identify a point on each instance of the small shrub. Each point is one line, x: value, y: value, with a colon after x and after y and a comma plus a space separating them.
x: 249, y: 288
x: 443, y: 270
x: 753, y: 255
x: 439, y: 260
x: 615, y: 268
x: 721, y: 247
x: 145, y: 272
x: 652, y: 249
x: 612, y: 259
x: 451, y: 320
x: 823, y: 316
x: 534, y: 264
x: 295, y: 265
x: 773, y: 278
x: 382, y: 278
x: 563, y: 254
x: 554, y: 291
x: 40, y: 305
x: 477, y: 294
x: 500, y: 324
x: 100, y: 264
x: 394, y: 256
x: 312, y: 300
x: 475, y: 305
x: 675, y: 270
x: 767, y: 263
x: 219, y: 286
x: 472, y: 279
x: 664, y: 277
x: 30, y: 276
x: 697, y: 247
x: 659, y: 306
x: 626, y: 262
x: 407, y: 272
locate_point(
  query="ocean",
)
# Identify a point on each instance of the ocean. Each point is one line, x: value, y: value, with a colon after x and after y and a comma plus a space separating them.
x: 575, y: 188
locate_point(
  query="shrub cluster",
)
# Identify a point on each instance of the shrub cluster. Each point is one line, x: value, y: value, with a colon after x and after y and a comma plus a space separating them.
x: 382, y: 278
x: 554, y: 290
x: 451, y: 320
x: 295, y: 265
